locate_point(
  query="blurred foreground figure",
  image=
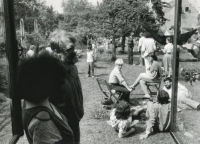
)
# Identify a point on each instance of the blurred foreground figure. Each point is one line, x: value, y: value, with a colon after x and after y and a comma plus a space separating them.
x: 71, y: 102
x: 39, y: 78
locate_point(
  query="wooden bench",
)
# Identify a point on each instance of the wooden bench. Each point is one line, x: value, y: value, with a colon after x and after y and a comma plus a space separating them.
x: 156, y: 85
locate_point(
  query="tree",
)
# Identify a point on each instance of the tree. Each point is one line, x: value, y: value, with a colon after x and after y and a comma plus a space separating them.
x: 79, y: 19
x: 117, y: 18
x: 31, y: 10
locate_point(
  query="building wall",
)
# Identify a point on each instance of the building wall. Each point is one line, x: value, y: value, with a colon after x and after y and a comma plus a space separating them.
x: 188, y: 18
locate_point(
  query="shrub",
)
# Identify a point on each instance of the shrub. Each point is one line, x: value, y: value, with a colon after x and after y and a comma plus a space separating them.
x: 101, y: 50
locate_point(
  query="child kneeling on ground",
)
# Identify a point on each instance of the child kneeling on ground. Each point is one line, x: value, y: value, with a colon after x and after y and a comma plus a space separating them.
x: 158, y: 114
x: 121, y: 118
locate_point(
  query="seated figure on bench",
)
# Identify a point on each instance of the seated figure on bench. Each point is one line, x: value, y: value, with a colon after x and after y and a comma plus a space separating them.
x: 153, y: 74
x: 117, y: 81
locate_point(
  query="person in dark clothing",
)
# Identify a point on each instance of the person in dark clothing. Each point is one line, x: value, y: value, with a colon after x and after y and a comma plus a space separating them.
x: 71, y: 103
x: 39, y: 78
x: 130, y: 49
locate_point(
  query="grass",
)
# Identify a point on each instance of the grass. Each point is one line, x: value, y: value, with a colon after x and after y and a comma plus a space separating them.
x: 95, y: 130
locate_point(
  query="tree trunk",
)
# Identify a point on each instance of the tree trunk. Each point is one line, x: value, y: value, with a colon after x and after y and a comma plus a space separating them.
x: 123, y: 43
x: 113, y: 58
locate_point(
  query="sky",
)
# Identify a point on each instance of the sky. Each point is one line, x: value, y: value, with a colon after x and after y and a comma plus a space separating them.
x: 57, y: 3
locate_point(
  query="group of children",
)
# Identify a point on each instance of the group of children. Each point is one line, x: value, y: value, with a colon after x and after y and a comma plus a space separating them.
x: 122, y: 116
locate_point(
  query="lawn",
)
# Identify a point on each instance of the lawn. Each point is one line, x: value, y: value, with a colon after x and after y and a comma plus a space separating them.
x: 95, y: 130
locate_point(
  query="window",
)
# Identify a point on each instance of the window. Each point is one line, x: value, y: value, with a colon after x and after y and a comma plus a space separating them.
x: 187, y: 9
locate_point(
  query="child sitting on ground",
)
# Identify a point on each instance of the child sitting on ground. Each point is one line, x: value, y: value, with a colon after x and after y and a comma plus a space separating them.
x: 158, y: 114
x: 121, y: 118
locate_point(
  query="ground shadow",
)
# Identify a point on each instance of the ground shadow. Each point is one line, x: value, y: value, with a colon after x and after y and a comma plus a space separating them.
x: 188, y: 60
x: 101, y: 75
x: 99, y: 67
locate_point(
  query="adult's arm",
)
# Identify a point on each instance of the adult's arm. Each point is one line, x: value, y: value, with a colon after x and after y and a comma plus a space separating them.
x: 122, y: 80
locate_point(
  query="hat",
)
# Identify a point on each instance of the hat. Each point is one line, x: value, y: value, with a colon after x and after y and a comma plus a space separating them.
x: 119, y: 62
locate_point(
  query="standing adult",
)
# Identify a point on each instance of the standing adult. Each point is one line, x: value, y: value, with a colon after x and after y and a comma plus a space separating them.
x: 71, y: 102
x: 167, y: 58
x: 130, y: 49
x: 117, y: 81
x: 148, y: 46
x: 140, y: 47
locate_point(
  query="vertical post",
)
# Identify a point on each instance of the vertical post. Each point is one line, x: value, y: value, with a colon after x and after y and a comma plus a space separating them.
x: 22, y: 31
x: 36, y: 35
x: 175, y: 65
x: 12, y: 55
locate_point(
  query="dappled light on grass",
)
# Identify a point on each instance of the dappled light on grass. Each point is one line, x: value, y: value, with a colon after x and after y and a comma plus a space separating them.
x: 101, y: 113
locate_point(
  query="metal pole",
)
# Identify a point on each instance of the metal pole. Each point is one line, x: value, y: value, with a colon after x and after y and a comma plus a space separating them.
x: 175, y: 66
x: 12, y: 55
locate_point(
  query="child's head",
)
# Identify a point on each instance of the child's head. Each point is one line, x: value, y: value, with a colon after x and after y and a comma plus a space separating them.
x: 123, y: 110
x: 163, y: 97
x: 40, y: 77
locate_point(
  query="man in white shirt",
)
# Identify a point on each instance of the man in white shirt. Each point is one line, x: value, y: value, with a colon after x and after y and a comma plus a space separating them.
x: 167, y: 58
x: 139, y: 48
x: 184, y: 96
x: 117, y: 81
x: 148, y: 46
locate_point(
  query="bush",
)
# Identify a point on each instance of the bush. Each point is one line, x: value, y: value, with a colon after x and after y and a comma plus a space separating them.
x: 108, y: 51
x: 101, y: 50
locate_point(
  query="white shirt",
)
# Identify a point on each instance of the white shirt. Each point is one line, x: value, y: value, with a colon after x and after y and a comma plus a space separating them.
x: 116, y: 76
x: 140, y: 42
x: 30, y: 53
x: 168, y: 48
x: 148, y: 46
x: 181, y: 92
x: 90, y: 55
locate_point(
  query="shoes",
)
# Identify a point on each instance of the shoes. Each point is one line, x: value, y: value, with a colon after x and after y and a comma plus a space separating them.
x: 134, y: 64
x: 88, y: 76
x: 106, y: 101
x: 198, y: 107
x: 92, y: 76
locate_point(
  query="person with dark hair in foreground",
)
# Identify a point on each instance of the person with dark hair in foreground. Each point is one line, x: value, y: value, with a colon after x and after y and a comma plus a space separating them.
x: 153, y: 74
x: 158, y: 114
x: 121, y: 118
x: 71, y: 102
x: 39, y: 78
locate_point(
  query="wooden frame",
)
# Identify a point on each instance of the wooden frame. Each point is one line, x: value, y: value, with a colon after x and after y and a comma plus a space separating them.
x: 109, y: 91
x: 175, y: 67
x: 12, y: 55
